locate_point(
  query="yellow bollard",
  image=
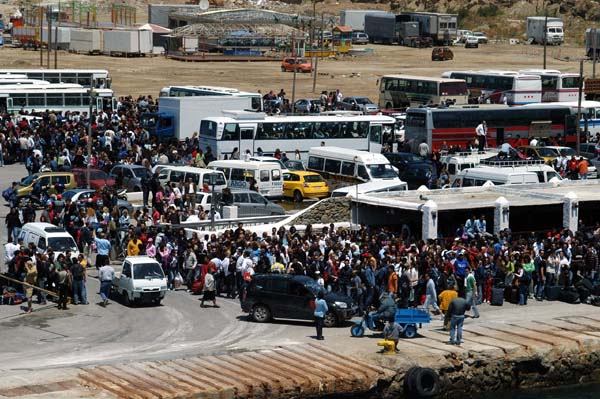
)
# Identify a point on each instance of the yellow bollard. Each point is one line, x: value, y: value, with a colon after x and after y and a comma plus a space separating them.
x: 389, y: 347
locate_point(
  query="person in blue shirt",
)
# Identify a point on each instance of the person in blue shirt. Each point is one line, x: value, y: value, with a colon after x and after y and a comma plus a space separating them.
x: 320, y: 311
x: 103, y: 249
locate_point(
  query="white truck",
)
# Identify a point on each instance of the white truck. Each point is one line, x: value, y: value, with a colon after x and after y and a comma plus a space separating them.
x: 355, y: 19
x: 179, y: 117
x: 553, y: 33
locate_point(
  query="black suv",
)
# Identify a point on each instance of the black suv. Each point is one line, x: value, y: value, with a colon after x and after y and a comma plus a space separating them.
x: 292, y: 297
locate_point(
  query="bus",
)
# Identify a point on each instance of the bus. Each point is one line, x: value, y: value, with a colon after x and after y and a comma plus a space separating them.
x: 403, y: 91
x: 557, y: 86
x: 54, y: 97
x: 492, y: 86
x: 251, y: 131
x: 96, y: 78
x: 454, y: 127
x: 21, y: 81
x: 590, y: 114
x: 190, y: 91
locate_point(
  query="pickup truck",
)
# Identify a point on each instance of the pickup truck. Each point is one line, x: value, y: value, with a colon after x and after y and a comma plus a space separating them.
x: 141, y: 281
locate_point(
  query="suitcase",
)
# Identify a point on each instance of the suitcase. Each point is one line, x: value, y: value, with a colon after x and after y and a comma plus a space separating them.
x: 497, y: 297
x: 511, y: 294
x: 569, y: 295
x: 552, y: 293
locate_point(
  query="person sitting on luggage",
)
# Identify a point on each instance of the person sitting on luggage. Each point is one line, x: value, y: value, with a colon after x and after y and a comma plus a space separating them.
x: 446, y: 297
x: 387, y: 308
x: 391, y: 332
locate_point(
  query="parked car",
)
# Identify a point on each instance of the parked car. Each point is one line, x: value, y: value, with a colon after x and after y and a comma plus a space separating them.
x: 589, y: 150
x: 535, y: 152
x: 288, y: 296
x: 471, y: 42
x: 48, y: 181
x: 569, y: 152
x: 294, y: 165
x: 299, y: 185
x: 441, y: 54
x: 360, y: 38
x: 481, y: 37
x: 300, y: 64
x: 359, y: 104
x: 98, y: 178
x: 462, y: 35
x: 308, y: 105
x: 405, y: 160
x: 416, y: 176
x: 141, y: 280
x: 132, y: 176
x: 249, y: 203
x: 81, y: 196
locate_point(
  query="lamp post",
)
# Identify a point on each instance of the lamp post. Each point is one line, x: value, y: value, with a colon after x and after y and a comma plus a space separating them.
x: 92, y: 95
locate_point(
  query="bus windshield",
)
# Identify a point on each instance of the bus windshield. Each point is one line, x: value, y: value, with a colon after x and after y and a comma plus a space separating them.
x: 453, y: 89
x: 381, y: 171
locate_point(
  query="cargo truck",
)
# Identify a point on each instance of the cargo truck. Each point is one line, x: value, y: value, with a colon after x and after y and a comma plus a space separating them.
x: 355, y: 19
x: 390, y: 28
x: 539, y: 30
x: 179, y: 117
x: 442, y: 29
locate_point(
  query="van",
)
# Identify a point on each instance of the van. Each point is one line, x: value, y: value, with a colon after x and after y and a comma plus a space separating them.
x: 343, y: 167
x: 526, y: 174
x: 544, y: 172
x: 46, y: 235
x: 141, y: 280
x: 370, y: 188
x: 199, y: 176
x: 454, y: 163
x: 267, y: 175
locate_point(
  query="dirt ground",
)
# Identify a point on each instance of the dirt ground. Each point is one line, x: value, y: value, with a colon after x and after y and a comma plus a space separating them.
x: 352, y: 75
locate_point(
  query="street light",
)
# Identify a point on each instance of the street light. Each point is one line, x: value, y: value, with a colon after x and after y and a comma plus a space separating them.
x: 92, y: 97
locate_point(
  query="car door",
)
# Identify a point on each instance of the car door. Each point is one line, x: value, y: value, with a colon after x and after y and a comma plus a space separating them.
x: 126, y: 280
x: 274, y: 294
x: 242, y: 201
x: 297, y: 302
x: 128, y: 178
x: 258, y: 204
x: 288, y: 184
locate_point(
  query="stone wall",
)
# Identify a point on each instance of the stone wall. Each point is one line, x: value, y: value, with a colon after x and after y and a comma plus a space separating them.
x: 329, y: 210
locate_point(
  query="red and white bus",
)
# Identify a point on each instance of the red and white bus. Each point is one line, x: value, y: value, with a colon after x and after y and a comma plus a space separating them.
x: 557, y: 86
x: 455, y: 127
x: 491, y: 86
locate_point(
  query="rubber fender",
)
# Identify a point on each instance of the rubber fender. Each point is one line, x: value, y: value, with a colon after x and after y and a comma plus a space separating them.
x: 422, y: 382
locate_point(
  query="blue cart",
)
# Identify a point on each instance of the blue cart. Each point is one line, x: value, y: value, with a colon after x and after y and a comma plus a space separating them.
x: 408, y: 319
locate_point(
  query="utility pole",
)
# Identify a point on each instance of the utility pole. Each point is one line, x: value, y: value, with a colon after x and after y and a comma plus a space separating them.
x: 317, y: 53
x: 294, y: 79
x: 594, y: 47
x: 41, y: 25
x: 545, y: 34
x: 48, y: 37
x: 579, y: 106
x: 56, y: 46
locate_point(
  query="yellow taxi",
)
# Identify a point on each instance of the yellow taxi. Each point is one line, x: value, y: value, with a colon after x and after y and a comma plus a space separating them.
x: 301, y: 184
x: 535, y: 152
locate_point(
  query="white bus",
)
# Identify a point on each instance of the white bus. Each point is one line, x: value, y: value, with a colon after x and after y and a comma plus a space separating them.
x: 251, y: 131
x: 590, y: 114
x: 191, y: 91
x: 21, y: 81
x: 492, y: 86
x: 54, y: 97
x: 96, y: 78
x: 556, y: 85
x: 403, y: 91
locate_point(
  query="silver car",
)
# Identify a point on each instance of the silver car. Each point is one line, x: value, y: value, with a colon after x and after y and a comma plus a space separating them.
x: 359, y: 104
x: 132, y: 176
x: 249, y: 203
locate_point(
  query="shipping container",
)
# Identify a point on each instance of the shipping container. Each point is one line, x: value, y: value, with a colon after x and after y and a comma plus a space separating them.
x: 86, y: 40
x: 128, y: 41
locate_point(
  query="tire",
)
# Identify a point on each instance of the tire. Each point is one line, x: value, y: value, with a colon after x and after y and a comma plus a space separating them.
x: 137, y: 189
x: 330, y: 320
x: 157, y: 301
x: 410, y: 331
x: 261, y: 313
x: 298, y: 196
x: 126, y: 301
x: 282, y: 69
x: 357, y: 330
x: 424, y: 383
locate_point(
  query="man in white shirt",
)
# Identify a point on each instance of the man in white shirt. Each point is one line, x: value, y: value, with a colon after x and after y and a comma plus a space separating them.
x: 9, y: 251
x: 481, y: 131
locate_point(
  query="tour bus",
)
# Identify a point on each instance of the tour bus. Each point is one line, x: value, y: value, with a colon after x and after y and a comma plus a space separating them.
x: 55, y: 97
x: 379, y: 186
x: 342, y: 166
x: 455, y: 127
x: 191, y: 91
x: 96, y: 78
x: 403, y: 91
x: 493, y: 85
x: 249, y: 131
x: 590, y: 114
x: 557, y: 86
x: 267, y: 175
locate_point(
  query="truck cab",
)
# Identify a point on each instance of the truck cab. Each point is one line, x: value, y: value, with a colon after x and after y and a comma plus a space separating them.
x: 159, y: 124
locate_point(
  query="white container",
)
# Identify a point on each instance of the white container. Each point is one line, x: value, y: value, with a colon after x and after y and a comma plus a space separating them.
x: 128, y: 41
x: 86, y: 40
x: 63, y: 34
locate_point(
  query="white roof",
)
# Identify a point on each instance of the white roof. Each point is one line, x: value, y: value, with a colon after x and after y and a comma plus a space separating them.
x: 140, y: 259
x: 348, y: 154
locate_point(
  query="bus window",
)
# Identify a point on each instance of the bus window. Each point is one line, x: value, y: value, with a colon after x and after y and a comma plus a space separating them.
x: 375, y: 136
x: 332, y: 166
x: 362, y: 172
x: 315, y: 163
x: 231, y: 131
x: 237, y: 174
x: 348, y: 168
x: 247, y: 133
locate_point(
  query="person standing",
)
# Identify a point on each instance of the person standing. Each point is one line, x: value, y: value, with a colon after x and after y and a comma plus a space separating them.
x: 457, y: 310
x: 209, y: 289
x: 31, y: 279
x: 64, y: 279
x: 106, y: 275
x: 13, y: 224
x: 320, y: 311
x: 471, y: 292
x: 481, y: 132
x: 430, y: 295
x: 446, y: 298
x: 78, y: 273
x: 103, y: 248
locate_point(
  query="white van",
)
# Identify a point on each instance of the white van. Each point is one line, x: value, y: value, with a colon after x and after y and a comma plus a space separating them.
x: 370, y: 188
x: 46, y: 235
x: 454, y: 163
x: 175, y: 174
x: 141, y: 280
x: 343, y: 167
x: 507, y: 175
x: 268, y: 175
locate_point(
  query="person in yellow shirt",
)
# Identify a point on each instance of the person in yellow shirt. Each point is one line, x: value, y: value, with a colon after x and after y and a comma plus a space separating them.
x: 133, y: 246
x: 445, y: 298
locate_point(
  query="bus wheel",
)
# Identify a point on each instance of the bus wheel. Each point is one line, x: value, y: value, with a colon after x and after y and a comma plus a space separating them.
x: 298, y: 196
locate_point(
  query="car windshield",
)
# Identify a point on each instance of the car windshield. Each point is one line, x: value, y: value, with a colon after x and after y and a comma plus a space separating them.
x: 408, y: 157
x: 28, y: 180
x: 98, y: 175
x: 381, y: 171
x: 62, y: 244
x: 137, y: 171
x: 147, y: 270
x: 362, y: 100
x: 313, y: 178
x: 294, y: 165
x: 313, y: 286
x: 545, y: 152
x: 567, y: 151
x: 67, y: 195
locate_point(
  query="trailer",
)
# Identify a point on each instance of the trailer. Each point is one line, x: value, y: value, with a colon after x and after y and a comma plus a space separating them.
x: 442, y: 29
x: 355, y: 19
x: 545, y: 29
x: 180, y: 117
x: 128, y: 42
x: 390, y: 28
x: 86, y: 40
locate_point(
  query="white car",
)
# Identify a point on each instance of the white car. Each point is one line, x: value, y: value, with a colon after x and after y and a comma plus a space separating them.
x: 471, y: 42
x: 140, y: 281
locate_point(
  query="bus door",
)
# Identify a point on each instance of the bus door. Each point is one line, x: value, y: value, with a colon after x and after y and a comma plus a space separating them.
x: 246, y: 140
x: 99, y: 103
x: 375, y: 138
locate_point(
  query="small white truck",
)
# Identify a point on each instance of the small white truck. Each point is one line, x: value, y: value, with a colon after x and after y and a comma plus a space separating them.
x: 552, y: 34
x: 141, y: 280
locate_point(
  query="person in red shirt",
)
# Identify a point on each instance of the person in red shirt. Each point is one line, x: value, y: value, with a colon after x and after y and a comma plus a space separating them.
x: 573, y: 168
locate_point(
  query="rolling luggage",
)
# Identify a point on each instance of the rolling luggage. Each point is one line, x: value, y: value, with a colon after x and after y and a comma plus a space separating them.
x: 552, y: 292
x: 511, y: 294
x: 569, y: 295
x: 497, y: 297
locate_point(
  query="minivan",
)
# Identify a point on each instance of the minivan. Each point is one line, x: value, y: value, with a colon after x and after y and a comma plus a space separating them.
x: 267, y: 175
x: 199, y: 176
x: 46, y: 235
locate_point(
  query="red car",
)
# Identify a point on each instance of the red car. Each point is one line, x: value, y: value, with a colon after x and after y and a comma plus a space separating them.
x: 301, y: 65
x: 98, y: 178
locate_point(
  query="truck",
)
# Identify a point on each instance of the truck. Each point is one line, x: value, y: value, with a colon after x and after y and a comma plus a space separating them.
x: 355, y: 19
x: 441, y: 28
x: 552, y: 34
x: 390, y: 28
x: 179, y: 117
x: 592, y: 42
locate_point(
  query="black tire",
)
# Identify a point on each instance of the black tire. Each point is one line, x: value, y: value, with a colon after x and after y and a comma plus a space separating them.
x: 157, y: 301
x: 261, y: 313
x: 298, y: 196
x: 126, y: 301
x: 357, y: 330
x: 330, y: 320
x: 410, y: 331
x: 424, y: 383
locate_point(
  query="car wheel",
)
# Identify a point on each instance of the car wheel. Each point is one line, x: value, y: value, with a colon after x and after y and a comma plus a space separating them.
x: 126, y: 300
x: 298, y: 196
x: 157, y: 301
x: 330, y: 320
x: 261, y: 313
